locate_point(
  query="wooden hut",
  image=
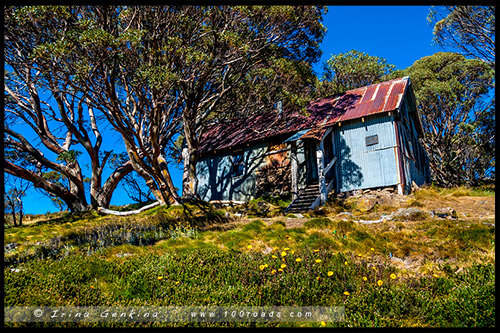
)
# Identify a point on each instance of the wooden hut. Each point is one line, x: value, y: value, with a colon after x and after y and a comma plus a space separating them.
x: 365, y: 138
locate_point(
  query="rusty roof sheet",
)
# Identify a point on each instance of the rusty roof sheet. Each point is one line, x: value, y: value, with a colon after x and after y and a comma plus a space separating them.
x: 322, y: 113
x: 315, y: 133
x: 377, y: 98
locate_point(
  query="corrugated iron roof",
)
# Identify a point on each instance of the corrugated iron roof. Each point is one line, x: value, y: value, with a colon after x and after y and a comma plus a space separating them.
x: 323, y: 113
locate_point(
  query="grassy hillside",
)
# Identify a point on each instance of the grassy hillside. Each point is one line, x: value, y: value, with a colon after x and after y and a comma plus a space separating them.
x: 414, y: 269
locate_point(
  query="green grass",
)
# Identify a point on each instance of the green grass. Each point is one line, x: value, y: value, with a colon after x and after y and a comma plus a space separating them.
x: 104, y: 260
x: 466, y: 191
x: 194, y: 276
x: 460, y: 191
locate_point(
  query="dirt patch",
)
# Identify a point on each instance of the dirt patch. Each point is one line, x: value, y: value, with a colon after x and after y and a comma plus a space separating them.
x: 466, y: 207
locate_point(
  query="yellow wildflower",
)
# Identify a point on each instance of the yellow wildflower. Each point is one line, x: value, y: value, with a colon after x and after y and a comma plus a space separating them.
x: 380, y: 282
x: 393, y: 276
x: 275, y: 248
x: 318, y: 260
x: 316, y: 250
x: 292, y: 252
x: 435, y: 275
x: 374, y: 268
x: 274, y: 256
x: 280, y: 270
x: 160, y: 277
x: 283, y: 266
x: 249, y: 247
x: 283, y: 253
x: 286, y: 249
x: 298, y: 260
x: 346, y: 293
x: 360, y: 255
x: 323, y: 324
x: 262, y: 267
x: 92, y: 287
x: 372, y: 249
x: 177, y: 282
x: 273, y: 271
x: 346, y: 263
x: 365, y: 278
x: 330, y: 273
x: 318, y: 278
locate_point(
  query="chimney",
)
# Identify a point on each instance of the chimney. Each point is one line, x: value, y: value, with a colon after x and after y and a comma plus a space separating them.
x: 279, y: 107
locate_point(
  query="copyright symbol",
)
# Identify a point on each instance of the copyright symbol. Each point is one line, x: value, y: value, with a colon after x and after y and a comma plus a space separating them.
x: 38, y: 313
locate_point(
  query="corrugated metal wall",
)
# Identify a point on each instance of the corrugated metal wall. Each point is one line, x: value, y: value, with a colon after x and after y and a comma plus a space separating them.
x: 360, y: 166
x: 413, y: 153
x: 215, y: 180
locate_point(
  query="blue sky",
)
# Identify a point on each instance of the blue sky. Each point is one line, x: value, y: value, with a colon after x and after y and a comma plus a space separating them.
x: 400, y: 34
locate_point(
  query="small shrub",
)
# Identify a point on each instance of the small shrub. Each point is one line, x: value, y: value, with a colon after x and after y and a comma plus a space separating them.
x: 475, y: 234
x: 278, y: 225
x: 415, y: 203
x: 343, y: 227
x: 318, y: 222
x: 426, y: 193
x: 318, y: 240
x: 256, y: 226
x: 360, y: 236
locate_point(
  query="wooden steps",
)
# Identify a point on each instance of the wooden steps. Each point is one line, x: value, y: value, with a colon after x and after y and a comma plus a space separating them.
x: 305, y: 199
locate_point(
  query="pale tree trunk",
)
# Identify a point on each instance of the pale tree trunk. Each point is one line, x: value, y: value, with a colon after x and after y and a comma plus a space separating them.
x: 189, y: 179
x: 190, y: 157
x: 13, y: 206
x: 162, y: 188
x: 101, y: 196
x: 165, y: 181
x: 21, y: 214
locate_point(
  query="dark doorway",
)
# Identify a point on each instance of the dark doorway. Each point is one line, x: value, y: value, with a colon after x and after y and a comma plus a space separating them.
x: 311, y: 165
x: 329, y: 154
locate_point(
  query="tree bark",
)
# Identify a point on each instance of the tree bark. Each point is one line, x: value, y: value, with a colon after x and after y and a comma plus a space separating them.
x: 76, y: 201
x: 13, y: 213
x: 190, y: 179
x: 21, y: 214
x: 101, y: 196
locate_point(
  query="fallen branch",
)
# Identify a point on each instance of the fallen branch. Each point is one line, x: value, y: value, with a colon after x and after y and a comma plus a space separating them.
x: 382, y: 219
x: 101, y: 210
x: 370, y: 222
x: 227, y: 202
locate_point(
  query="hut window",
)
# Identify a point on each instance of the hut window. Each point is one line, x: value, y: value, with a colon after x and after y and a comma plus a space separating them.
x: 371, y: 140
x: 238, y: 165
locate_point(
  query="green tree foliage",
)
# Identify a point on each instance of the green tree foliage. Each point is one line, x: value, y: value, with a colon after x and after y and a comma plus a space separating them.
x: 468, y: 29
x: 354, y: 69
x: 458, y: 120
x: 268, y: 59
x: 146, y: 68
